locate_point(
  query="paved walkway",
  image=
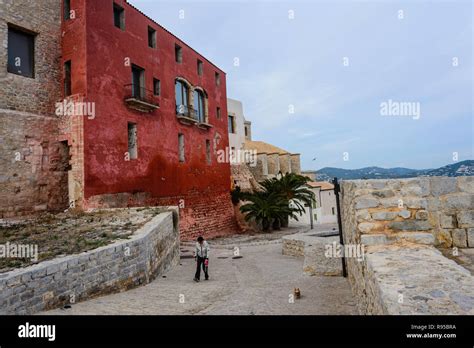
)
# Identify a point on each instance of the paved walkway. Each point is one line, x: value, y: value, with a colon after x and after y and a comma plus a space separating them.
x: 258, y: 283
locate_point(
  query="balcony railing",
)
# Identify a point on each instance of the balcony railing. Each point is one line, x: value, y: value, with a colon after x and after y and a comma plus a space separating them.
x: 186, y: 113
x: 140, y: 99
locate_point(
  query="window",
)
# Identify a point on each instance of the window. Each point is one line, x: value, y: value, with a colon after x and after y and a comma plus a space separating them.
x: 199, y: 67
x: 21, y: 53
x: 181, y: 91
x: 156, y: 87
x: 246, y: 131
x: 315, y: 217
x: 178, y: 53
x: 217, y: 77
x: 231, y: 124
x: 218, y: 112
x: 67, y: 79
x: 333, y: 211
x: 181, y: 147
x: 119, y: 16
x: 151, y: 37
x: 138, y: 82
x: 67, y: 9
x: 132, y: 141
x: 208, y: 151
x: 199, y: 105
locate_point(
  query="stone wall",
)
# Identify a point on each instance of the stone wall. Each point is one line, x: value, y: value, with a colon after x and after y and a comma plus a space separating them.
x: 34, y: 163
x: 285, y: 163
x: 34, y: 166
x: 242, y: 177
x: 36, y: 95
x: 293, y: 247
x: 210, y: 214
x: 295, y: 163
x: 152, y: 250
x: 273, y: 163
x: 400, y: 222
x: 412, y: 280
x: 260, y: 170
x: 435, y: 210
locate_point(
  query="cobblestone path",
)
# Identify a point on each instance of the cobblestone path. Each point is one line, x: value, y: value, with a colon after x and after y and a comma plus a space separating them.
x: 258, y: 283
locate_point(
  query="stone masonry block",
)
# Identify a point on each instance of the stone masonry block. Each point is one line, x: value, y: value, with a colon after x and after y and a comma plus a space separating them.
x: 365, y: 202
x: 466, y: 218
x: 443, y: 185
x: 466, y: 183
x: 470, y: 237
x: 447, y: 221
x: 410, y: 225
x: 373, y: 239
x: 384, y: 215
x: 459, y: 238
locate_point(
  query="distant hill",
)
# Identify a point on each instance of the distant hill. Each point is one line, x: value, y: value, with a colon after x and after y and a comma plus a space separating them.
x: 463, y: 168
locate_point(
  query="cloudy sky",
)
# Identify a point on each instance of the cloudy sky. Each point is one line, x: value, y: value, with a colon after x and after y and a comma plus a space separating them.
x: 312, y: 75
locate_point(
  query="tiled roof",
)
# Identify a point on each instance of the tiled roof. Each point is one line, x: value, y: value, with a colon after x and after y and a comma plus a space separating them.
x: 263, y: 147
x: 323, y: 184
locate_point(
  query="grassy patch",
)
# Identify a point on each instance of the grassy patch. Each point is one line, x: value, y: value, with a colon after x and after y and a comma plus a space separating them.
x: 71, y: 233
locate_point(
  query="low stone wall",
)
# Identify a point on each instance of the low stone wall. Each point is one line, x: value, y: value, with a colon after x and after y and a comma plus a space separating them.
x: 316, y: 260
x: 150, y: 251
x: 293, y: 245
x: 409, y: 216
x: 312, y: 245
x: 412, y: 280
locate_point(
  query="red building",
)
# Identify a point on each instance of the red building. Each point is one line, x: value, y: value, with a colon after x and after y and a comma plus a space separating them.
x: 154, y: 116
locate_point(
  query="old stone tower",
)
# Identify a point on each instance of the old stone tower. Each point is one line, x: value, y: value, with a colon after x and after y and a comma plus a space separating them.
x: 33, y: 160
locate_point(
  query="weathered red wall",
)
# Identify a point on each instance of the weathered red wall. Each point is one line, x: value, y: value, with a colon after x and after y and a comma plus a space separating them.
x: 204, y: 188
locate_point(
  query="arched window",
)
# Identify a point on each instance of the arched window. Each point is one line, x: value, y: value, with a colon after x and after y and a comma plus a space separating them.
x: 182, y: 92
x: 199, y: 105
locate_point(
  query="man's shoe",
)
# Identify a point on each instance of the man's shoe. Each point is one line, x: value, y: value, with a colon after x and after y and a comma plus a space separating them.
x: 207, y: 278
x: 196, y: 280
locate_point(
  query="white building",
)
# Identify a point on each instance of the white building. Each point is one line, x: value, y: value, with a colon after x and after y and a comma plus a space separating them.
x: 270, y: 159
x: 239, y: 128
x: 324, y: 210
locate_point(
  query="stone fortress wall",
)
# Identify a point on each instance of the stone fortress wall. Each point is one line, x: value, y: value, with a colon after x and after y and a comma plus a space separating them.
x: 401, y: 222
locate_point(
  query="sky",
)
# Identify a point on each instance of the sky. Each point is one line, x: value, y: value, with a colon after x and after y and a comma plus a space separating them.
x: 346, y: 84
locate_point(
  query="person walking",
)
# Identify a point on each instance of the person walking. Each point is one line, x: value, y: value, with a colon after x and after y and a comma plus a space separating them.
x: 201, y: 255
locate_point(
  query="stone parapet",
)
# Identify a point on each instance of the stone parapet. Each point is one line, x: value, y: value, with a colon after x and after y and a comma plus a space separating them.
x: 122, y: 265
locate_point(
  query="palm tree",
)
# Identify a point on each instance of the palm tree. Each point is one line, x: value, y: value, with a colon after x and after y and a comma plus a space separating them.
x: 281, y: 198
x: 264, y: 207
x: 294, y: 189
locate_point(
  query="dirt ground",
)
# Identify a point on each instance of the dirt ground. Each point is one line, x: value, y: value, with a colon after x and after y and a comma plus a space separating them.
x: 69, y: 232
